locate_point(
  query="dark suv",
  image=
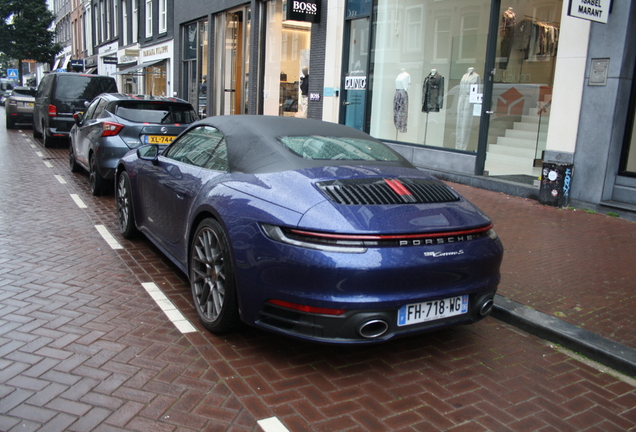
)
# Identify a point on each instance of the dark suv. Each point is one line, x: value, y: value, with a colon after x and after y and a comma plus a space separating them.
x: 59, y: 96
x: 115, y: 123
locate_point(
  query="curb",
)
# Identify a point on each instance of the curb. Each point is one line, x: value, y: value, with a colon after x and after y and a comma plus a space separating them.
x: 595, y: 347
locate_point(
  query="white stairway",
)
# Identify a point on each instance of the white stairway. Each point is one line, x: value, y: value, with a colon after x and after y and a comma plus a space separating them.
x: 516, y: 150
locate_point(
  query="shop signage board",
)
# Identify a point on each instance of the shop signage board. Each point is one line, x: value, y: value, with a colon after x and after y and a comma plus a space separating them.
x: 303, y: 10
x: 591, y: 10
x: 355, y: 83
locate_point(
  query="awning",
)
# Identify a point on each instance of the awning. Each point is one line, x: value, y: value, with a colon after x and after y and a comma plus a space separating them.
x: 64, y: 62
x: 134, y: 70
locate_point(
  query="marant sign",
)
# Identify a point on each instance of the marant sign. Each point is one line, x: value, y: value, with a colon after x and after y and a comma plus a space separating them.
x: 591, y: 10
x: 303, y: 10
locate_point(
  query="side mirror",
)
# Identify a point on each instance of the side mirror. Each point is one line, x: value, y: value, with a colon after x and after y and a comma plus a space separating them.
x: 86, y: 103
x: 149, y: 152
x: 78, y: 117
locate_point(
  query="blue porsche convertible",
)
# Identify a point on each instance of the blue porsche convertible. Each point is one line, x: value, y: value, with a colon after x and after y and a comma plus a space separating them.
x: 310, y: 229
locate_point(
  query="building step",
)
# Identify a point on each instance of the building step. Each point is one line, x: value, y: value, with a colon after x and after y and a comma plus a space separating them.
x: 517, y: 143
x: 525, y: 154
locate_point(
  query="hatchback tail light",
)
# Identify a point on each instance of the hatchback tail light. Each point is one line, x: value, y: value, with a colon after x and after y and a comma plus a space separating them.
x: 111, y: 128
x: 52, y: 111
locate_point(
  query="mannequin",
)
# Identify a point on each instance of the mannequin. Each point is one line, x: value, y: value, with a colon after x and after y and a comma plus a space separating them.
x: 465, y: 109
x: 506, y: 33
x: 401, y: 101
x: 304, y: 92
x: 433, y: 92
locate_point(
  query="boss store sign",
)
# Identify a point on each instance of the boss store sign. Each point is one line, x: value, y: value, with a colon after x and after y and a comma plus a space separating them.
x: 303, y: 10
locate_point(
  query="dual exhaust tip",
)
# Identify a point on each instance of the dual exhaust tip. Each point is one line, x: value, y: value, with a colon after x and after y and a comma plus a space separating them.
x: 376, y: 328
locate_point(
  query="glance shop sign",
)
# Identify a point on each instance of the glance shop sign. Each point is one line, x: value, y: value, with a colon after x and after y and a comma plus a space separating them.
x: 303, y: 10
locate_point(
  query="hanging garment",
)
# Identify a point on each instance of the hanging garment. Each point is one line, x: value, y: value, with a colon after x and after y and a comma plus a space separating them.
x: 400, y: 110
x: 506, y: 33
x: 433, y: 93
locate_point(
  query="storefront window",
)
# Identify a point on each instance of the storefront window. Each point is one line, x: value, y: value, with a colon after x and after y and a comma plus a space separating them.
x: 428, y: 77
x: 629, y: 154
x: 286, y: 64
x: 195, y: 66
x: 156, y: 82
x: 417, y: 69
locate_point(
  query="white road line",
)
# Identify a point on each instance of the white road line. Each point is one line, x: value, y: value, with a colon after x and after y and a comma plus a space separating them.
x: 60, y: 179
x: 177, y: 318
x: 272, y: 424
x: 78, y: 201
x: 48, y: 164
x: 39, y: 154
x: 114, y: 244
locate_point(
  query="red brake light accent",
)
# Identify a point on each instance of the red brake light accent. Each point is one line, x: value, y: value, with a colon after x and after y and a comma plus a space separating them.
x: 52, y: 111
x: 390, y: 236
x: 111, y: 129
x: 308, y: 309
x: 397, y: 187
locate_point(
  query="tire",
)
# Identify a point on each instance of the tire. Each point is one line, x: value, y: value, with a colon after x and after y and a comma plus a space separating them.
x: 71, y: 158
x: 47, y: 140
x: 125, y: 215
x: 96, y: 181
x: 36, y: 134
x: 212, y: 278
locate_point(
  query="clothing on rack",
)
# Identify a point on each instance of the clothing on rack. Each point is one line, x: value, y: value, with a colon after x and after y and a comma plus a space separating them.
x: 537, y: 39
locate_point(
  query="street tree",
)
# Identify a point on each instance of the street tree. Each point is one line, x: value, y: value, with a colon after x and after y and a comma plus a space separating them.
x: 25, y: 31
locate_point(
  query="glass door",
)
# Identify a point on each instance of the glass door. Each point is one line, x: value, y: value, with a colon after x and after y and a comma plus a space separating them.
x: 525, y: 60
x: 232, y: 61
x: 356, y: 75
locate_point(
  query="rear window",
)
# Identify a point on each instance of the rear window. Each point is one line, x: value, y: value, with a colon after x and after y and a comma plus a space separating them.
x: 337, y: 148
x: 156, y: 112
x: 21, y: 91
x: 82, y: 87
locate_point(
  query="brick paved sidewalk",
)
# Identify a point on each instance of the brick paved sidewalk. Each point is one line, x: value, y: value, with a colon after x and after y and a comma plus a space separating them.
x: 83, y: 346
x: 570, y: 264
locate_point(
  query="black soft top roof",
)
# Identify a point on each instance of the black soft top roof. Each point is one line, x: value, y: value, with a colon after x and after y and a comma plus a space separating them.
x: 253, y: 147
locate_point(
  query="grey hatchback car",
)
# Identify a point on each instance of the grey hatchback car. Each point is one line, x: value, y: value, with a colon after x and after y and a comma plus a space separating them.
x: 19, y: 106
x: 114, y: 123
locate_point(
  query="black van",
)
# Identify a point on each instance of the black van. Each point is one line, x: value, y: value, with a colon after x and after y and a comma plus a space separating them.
x: 59, y: 95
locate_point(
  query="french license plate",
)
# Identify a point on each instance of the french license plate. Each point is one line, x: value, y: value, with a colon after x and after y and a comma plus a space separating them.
x: 433, y: 310
x: 29, y: 104
x: 158, y: 139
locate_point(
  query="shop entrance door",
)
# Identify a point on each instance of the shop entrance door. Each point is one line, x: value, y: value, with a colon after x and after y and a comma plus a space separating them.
x: 522, y: 82
x: 356, y: 75
x: 232, y: 62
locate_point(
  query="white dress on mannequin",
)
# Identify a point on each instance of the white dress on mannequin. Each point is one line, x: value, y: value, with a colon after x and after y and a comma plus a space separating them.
x: 465, y: 109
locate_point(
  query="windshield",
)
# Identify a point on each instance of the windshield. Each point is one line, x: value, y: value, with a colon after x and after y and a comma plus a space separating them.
x: 337, y: 148
x: 156, y: 112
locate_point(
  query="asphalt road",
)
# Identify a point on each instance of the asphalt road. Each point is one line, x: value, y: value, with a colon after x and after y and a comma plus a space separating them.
x: 84, y: 345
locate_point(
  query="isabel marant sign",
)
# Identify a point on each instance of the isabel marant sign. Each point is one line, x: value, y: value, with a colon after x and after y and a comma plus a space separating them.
x: 591, y: 10
x: 303, y: 10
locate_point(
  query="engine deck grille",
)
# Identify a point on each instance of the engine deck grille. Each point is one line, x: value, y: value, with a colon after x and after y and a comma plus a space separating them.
x: 381, y: 191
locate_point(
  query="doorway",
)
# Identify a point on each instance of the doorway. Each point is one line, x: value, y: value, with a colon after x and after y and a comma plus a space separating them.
x: 232, y: 62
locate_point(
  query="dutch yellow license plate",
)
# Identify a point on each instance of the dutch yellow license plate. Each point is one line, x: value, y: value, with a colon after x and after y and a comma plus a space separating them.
x: 158, y: 139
